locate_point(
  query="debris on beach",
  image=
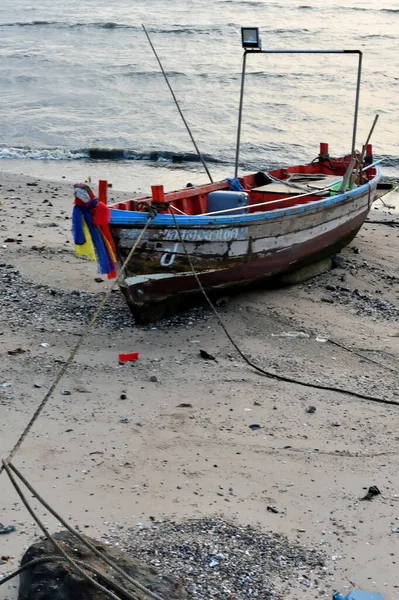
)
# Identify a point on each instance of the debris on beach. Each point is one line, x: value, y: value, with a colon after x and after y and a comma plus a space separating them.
x: 358, y: 595
x: 292, y: 335
x: 131, y: 356
x: 273, y: 510
x: 6, y: 529
x: 372, y: 491
x: 218, y: 559
x: 16, y: 351
x: 206, y: 356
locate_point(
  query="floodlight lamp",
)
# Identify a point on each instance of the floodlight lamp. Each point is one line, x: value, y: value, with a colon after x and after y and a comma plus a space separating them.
x: 250, y: 38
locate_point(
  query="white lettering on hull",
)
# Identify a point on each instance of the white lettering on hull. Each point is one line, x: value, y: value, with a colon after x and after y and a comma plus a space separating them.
x: 207, y: 235
x: 168, y: 258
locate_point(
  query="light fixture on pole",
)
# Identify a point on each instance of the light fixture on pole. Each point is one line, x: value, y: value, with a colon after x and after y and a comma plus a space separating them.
x: 250, y: 38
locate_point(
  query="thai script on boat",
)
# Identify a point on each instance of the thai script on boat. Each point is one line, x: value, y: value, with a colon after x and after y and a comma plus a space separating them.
x: 227, y: 234
x: 207, y: 235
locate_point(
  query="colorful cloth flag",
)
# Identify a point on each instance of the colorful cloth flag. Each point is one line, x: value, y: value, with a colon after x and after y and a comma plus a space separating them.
x: 91, y: 232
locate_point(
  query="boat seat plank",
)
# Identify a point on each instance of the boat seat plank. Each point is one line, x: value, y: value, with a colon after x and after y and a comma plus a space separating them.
x: 286, y: 188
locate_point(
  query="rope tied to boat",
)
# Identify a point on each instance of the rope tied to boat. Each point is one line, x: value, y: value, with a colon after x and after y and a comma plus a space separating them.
x: 62, y: 556
x: 7, y: 464
x: 250, y: 363
x: 153, y: 207
x: 77, y: 346
x: 324, y: 158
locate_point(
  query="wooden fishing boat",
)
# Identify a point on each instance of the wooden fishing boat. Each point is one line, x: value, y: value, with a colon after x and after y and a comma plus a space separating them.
x: 236, y: 232
x: 279, y: 222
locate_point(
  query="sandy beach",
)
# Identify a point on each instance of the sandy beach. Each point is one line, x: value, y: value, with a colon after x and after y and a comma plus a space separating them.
x: 116, y: 447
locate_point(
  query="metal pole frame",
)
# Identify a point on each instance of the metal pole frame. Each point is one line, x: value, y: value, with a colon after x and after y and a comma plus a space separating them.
x: 244, y: 63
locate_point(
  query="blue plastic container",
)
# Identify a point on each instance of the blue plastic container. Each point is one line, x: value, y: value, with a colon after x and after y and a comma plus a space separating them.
x: 224, y: 200
x: 358, y: 595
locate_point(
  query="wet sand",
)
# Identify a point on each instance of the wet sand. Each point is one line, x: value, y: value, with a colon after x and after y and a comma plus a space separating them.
x: 170, y: 462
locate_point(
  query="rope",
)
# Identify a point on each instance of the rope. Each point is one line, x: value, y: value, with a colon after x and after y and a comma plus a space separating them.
x: 322, y: 158
x: 84, y: 541
x: 58, y: 547
x: 74, y: 350
x: 363, y: 356
x: 388, y: 223
x: 178, y: 105
x: 270, y: 374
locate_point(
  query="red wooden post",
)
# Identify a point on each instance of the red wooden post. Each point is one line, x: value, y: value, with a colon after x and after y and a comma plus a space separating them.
x: 102, y: 190
x: 158, y: 194
x: 368, y: 159
x: 323, y: 149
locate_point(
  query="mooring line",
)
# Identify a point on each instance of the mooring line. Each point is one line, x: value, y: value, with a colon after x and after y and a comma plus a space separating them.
x: 178, y: 106
x: 56, y: 545
x: 7, y: 464
x: 83, y: 540
x: 76, y: 348
x: 249, y: 362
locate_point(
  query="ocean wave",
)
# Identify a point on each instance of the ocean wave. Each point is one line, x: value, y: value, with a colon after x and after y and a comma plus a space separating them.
x: 378, y: 36
x: 181, y: 29
x: 267, y: 75
x: 103, y: 154
x: 28, y: 24
x: 354, y: 8
x: 189, y: 30
x: 65, y: 25
x: 144, y: 74
x: 247, y: 3
x: 367, y: 9
x: 41, y: 153
x: 388, y: 160
x: 117, y: 154
x: 292, y: 31
x: 276, y: 153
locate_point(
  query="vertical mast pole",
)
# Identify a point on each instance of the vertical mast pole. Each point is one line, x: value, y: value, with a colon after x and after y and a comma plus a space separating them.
x: 244, y: 61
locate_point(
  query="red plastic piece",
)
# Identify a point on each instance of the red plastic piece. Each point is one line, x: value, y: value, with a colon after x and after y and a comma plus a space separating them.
x: 129, y: 357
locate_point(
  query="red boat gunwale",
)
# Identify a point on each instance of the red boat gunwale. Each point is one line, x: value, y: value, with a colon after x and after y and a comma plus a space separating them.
x: 194, y: 200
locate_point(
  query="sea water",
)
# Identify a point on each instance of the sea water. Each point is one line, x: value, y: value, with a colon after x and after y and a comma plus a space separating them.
x: 82, y: 93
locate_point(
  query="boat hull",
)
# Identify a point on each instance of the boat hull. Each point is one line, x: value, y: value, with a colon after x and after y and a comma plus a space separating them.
x: 244, y: 251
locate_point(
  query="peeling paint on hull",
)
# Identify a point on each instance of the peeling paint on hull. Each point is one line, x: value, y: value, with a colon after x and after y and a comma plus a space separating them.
x: 158, y: 278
